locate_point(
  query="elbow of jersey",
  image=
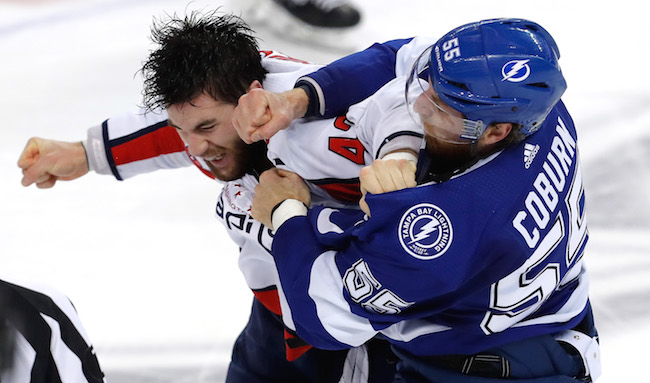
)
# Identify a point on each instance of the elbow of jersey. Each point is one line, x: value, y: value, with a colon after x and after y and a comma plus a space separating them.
x: 318, y: 337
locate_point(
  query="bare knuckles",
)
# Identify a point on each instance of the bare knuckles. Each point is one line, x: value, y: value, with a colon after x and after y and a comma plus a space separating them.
x: 44, y: 161
x: 384, y: 176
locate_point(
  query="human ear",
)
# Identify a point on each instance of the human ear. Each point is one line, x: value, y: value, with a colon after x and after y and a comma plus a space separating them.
x: 255, y: 85
x: 496, y: 132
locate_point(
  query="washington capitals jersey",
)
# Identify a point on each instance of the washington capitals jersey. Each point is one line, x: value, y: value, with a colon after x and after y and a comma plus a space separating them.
x: 370, y: 130
x: 330, y: 156
x: 141, y: 142
x: 489, y: 257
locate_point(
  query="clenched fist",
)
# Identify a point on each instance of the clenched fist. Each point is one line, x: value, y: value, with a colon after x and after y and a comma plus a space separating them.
x: 45, y: 161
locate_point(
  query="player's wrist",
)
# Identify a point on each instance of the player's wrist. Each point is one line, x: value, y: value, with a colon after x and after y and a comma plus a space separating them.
x: 401, y: 155
x: 84, y: 144
x: 299, y: 101
x: 286, y: 210
x: 312, y: 106
x: 96, y: 151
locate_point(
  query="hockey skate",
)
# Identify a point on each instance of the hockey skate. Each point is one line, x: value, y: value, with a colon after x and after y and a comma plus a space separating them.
x: 323, y: 23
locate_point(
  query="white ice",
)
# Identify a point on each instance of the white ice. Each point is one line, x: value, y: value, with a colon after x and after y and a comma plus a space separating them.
x: 154, y: 275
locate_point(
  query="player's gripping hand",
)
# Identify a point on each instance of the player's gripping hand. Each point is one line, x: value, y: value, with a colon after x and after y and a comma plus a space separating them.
x: 45, y: 161
x: 277, y: 185
x: 384, y: 176
x: 260, y: 114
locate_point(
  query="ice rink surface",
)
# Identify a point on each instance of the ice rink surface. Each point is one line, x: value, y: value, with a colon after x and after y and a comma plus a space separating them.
x: 154, y: 275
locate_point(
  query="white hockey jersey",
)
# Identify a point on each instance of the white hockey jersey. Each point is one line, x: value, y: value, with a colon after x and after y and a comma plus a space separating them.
x: 329, y: 156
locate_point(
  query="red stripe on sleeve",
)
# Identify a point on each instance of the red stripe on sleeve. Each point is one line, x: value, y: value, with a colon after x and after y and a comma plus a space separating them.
x: 156, y: 143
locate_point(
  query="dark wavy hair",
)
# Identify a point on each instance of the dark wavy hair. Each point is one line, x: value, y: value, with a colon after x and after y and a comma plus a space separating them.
x: 202, y: 53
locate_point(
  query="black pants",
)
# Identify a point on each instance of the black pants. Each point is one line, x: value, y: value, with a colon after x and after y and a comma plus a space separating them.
x: 540, y: 359
x: 259, y: 356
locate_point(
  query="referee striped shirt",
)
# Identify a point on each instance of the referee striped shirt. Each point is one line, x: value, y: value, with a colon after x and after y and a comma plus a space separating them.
x: 42, y: 338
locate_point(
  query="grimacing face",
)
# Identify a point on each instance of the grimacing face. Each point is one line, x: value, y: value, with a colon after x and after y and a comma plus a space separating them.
x: 205, y: 125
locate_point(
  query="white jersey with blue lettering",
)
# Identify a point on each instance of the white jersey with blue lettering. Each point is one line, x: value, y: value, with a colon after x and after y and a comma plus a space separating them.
x: 328, y: 154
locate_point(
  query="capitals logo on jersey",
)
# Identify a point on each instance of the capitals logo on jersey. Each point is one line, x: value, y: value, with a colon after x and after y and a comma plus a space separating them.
x: 425, y: 231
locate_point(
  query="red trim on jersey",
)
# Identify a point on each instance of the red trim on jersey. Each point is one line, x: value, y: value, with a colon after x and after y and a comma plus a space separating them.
x: 198, y: 164
x: 281, y: 56
x: 294, y: 345
x: 270, y: 300
x: 159, y: 142
x: 294, y: 353
x: 344, y: 192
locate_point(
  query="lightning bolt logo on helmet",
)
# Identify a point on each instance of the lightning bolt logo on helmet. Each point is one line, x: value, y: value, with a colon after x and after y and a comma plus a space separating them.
x: 425, y: 231
x: 515, y: 71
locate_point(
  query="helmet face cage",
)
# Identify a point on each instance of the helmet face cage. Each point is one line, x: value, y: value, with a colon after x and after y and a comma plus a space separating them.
x: 430, y: 113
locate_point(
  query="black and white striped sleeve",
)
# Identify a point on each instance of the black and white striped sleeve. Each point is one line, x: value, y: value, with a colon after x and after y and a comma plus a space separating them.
x: 42, y: 339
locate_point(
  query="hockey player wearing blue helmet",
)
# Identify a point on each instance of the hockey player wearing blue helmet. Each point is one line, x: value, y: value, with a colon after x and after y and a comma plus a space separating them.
x: 508, y: 72
x: 477, y: 273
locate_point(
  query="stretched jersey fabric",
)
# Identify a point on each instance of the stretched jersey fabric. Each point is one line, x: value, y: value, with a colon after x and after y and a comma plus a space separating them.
x: 363, y: 73
x: 44, y: 340
x: 141, y: 142
x: 492, y: 256
x: 330, y: 157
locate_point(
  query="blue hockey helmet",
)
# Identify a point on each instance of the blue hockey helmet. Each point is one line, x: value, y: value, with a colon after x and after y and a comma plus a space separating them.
x: 499, y: 70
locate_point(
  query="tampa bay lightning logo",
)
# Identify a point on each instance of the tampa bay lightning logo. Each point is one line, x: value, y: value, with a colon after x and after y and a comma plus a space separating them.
x: 425, y: 231
x: 515, y: 71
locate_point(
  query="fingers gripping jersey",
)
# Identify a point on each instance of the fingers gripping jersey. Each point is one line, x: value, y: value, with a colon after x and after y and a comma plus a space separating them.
x: 137, y: 143
x: 253, y: 238
x: 492, y: 256
x: 140, y: 142
x: 328, y: 172
x: 329, y: 154
x: 322, y: 167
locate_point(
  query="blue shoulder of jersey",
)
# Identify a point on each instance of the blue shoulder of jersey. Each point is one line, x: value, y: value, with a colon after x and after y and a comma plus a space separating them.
x: 361, y: 74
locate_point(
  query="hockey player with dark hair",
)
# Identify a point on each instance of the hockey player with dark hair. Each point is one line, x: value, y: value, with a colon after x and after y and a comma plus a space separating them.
x: 476, y: 274
x: 204, y: 63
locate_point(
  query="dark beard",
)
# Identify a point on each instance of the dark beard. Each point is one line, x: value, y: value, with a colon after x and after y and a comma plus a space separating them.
x: 439, y: 161
x: 257, y: 162
x: 250, y: 159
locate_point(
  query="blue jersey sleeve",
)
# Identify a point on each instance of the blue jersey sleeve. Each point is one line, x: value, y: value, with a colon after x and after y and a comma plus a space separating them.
x: 489, y: 257
x: 296, y: 248
x: 349, y: 80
